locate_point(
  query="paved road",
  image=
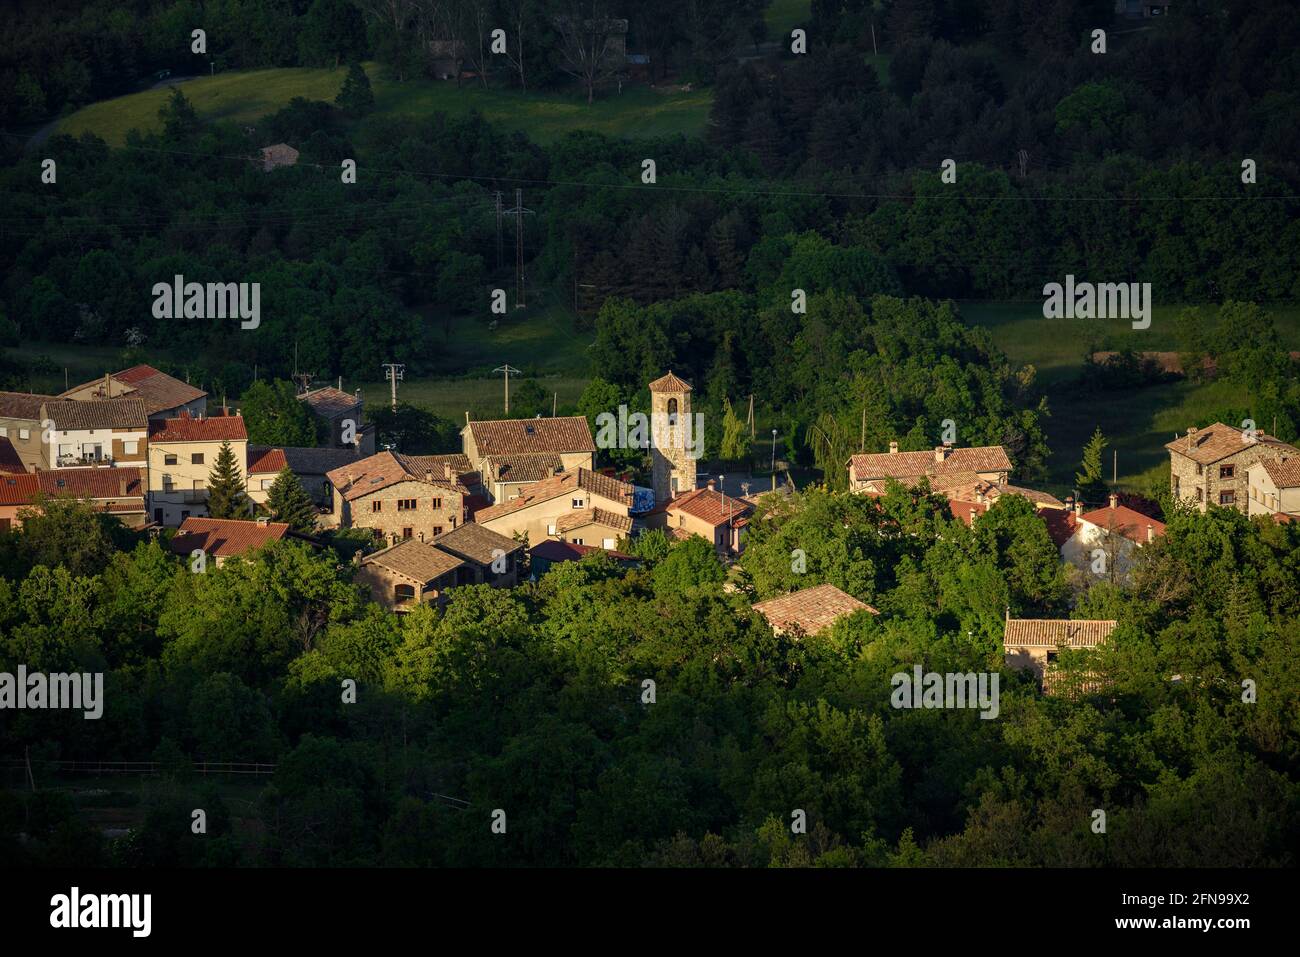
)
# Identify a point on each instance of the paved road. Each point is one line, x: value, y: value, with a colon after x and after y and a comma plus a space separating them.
x: 43, y: 134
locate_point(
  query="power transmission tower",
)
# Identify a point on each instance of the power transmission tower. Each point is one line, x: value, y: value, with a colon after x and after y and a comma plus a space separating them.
x: 518, y: 212
x: 393, y: 373
x: 507, y: 369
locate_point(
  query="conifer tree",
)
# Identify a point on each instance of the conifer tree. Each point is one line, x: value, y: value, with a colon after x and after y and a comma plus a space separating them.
x: 226, y: 498
x: 1092, y: 486
x: 289, y: 502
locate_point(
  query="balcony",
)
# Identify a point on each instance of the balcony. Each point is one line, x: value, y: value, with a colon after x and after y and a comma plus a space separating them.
x: 83, y: 461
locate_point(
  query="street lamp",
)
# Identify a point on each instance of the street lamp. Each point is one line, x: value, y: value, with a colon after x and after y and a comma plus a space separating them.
x: 774, y: 460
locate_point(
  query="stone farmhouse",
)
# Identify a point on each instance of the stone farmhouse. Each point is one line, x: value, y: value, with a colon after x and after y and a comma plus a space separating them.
x: 341, y: 417
x: 402, y: 496
x: 718, y: 518
x: 20, y: 423
x: 164, y: 396
x: 411, y: 571
x: 1208, y: 466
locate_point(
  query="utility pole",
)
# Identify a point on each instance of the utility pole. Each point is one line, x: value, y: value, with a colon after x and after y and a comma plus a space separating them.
x: 751, y: 416
x: 304, y: 381
x: 862, y: 442
x: 393, y: 373
x: 1114, y: 467
x: 518, y: 212
x: 507, y: 369
x: 555, y: 397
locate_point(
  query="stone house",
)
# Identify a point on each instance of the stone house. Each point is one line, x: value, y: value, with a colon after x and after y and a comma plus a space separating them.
x: 869, y: 472
x: 544, y: 556
x: 182, y: 452
x: 342, y: 417
x: 672, y: 470
x: 1208, y: 466
x: 490, y: 557
x: 408, y: 573
x: 1273, y: 487
x: 539, y: 510
x: 402, y: 496
x: 1034, y: 643
x: 593, y: 526
x: 20, y: 423
x: 106, y: 432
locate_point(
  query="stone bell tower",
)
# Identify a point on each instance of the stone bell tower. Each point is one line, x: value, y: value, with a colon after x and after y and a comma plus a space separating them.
x: 671, y: 435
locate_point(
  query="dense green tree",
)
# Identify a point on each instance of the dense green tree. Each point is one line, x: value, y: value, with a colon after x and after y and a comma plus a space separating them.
x: 287, y: 501
x: 226, y: 488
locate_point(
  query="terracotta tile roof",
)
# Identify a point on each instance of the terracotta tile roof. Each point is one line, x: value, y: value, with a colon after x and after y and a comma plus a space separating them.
x: 709, y: 505
x: 377, y: 472
x: 1060, y: 523
x: 516, y: 436
x: 1124, y: 520
x: 556, y: 551
x: 1283, y: 472
x: 157, y: 390
x: 19, y: 489
x: 23, y: 405
x: 10, y: 461
x: 913, y: 466
x: 474, y: 543
x: 99, y: 484
x: 594, y: 516
x: 328, y: 401
x: 211, y: 428
x: 68, y: 414
x: 279, y: 154
x: 1055, y: 633
x: 969, y: 487
x: 454, y: 467
x: 529, y: 467
x: 810, y: 609
x: 224, y: 537
x: 415, y: 560
x: 670, y: 383
x: 264, y: 461
x: 563, y: 484
x: 1218, y: 441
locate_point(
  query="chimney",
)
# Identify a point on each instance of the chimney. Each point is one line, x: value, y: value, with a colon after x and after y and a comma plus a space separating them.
x: 1078, y: 509
x: 893, y: 448
x: 121, y: 486
x: 1114, y: 500
x: 710, y: 484
x: 446, y: 471
x: 941, y: 452
x: 262, y: 520
x: 467, y: 416
x: 1191, y: 436
x: 428, y: 475
x: 1151, y: 534
x: 340, y: 383
x: 972, y: 514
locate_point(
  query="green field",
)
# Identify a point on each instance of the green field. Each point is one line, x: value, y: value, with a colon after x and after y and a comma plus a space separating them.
x: 244, y: 97
x: 1138, y: 422
x: 782, y: 16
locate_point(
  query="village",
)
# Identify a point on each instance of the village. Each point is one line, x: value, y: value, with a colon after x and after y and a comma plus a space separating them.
x: 523, y: 495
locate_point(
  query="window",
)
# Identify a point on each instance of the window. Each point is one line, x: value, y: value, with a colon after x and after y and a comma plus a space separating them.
x: 550, y: 529
x: 437, y: 530
x: 158, y: 515
x: 436, y: 503
x: 608, y: 544
x: 185, y: 513
x: 4, y: 433
x: 1200, y: 494
x: 169, y: 460
x: 266, y: 484
x: 1199, y: 470
x: 167, y: 483
x: 577, y: 503
x: 672, y: 412
x: 24, y: 433
x: 131, y: 447
x: 1227, y: 498
x: 1051, y: 656
x: 406, y: 505
x: 376, y: 506
x: 406, y: 533
x: 1226, y: 471
x: 200, y: 484
x: 577, y: 541
x: 404, y: 593
x: 196, y: 458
